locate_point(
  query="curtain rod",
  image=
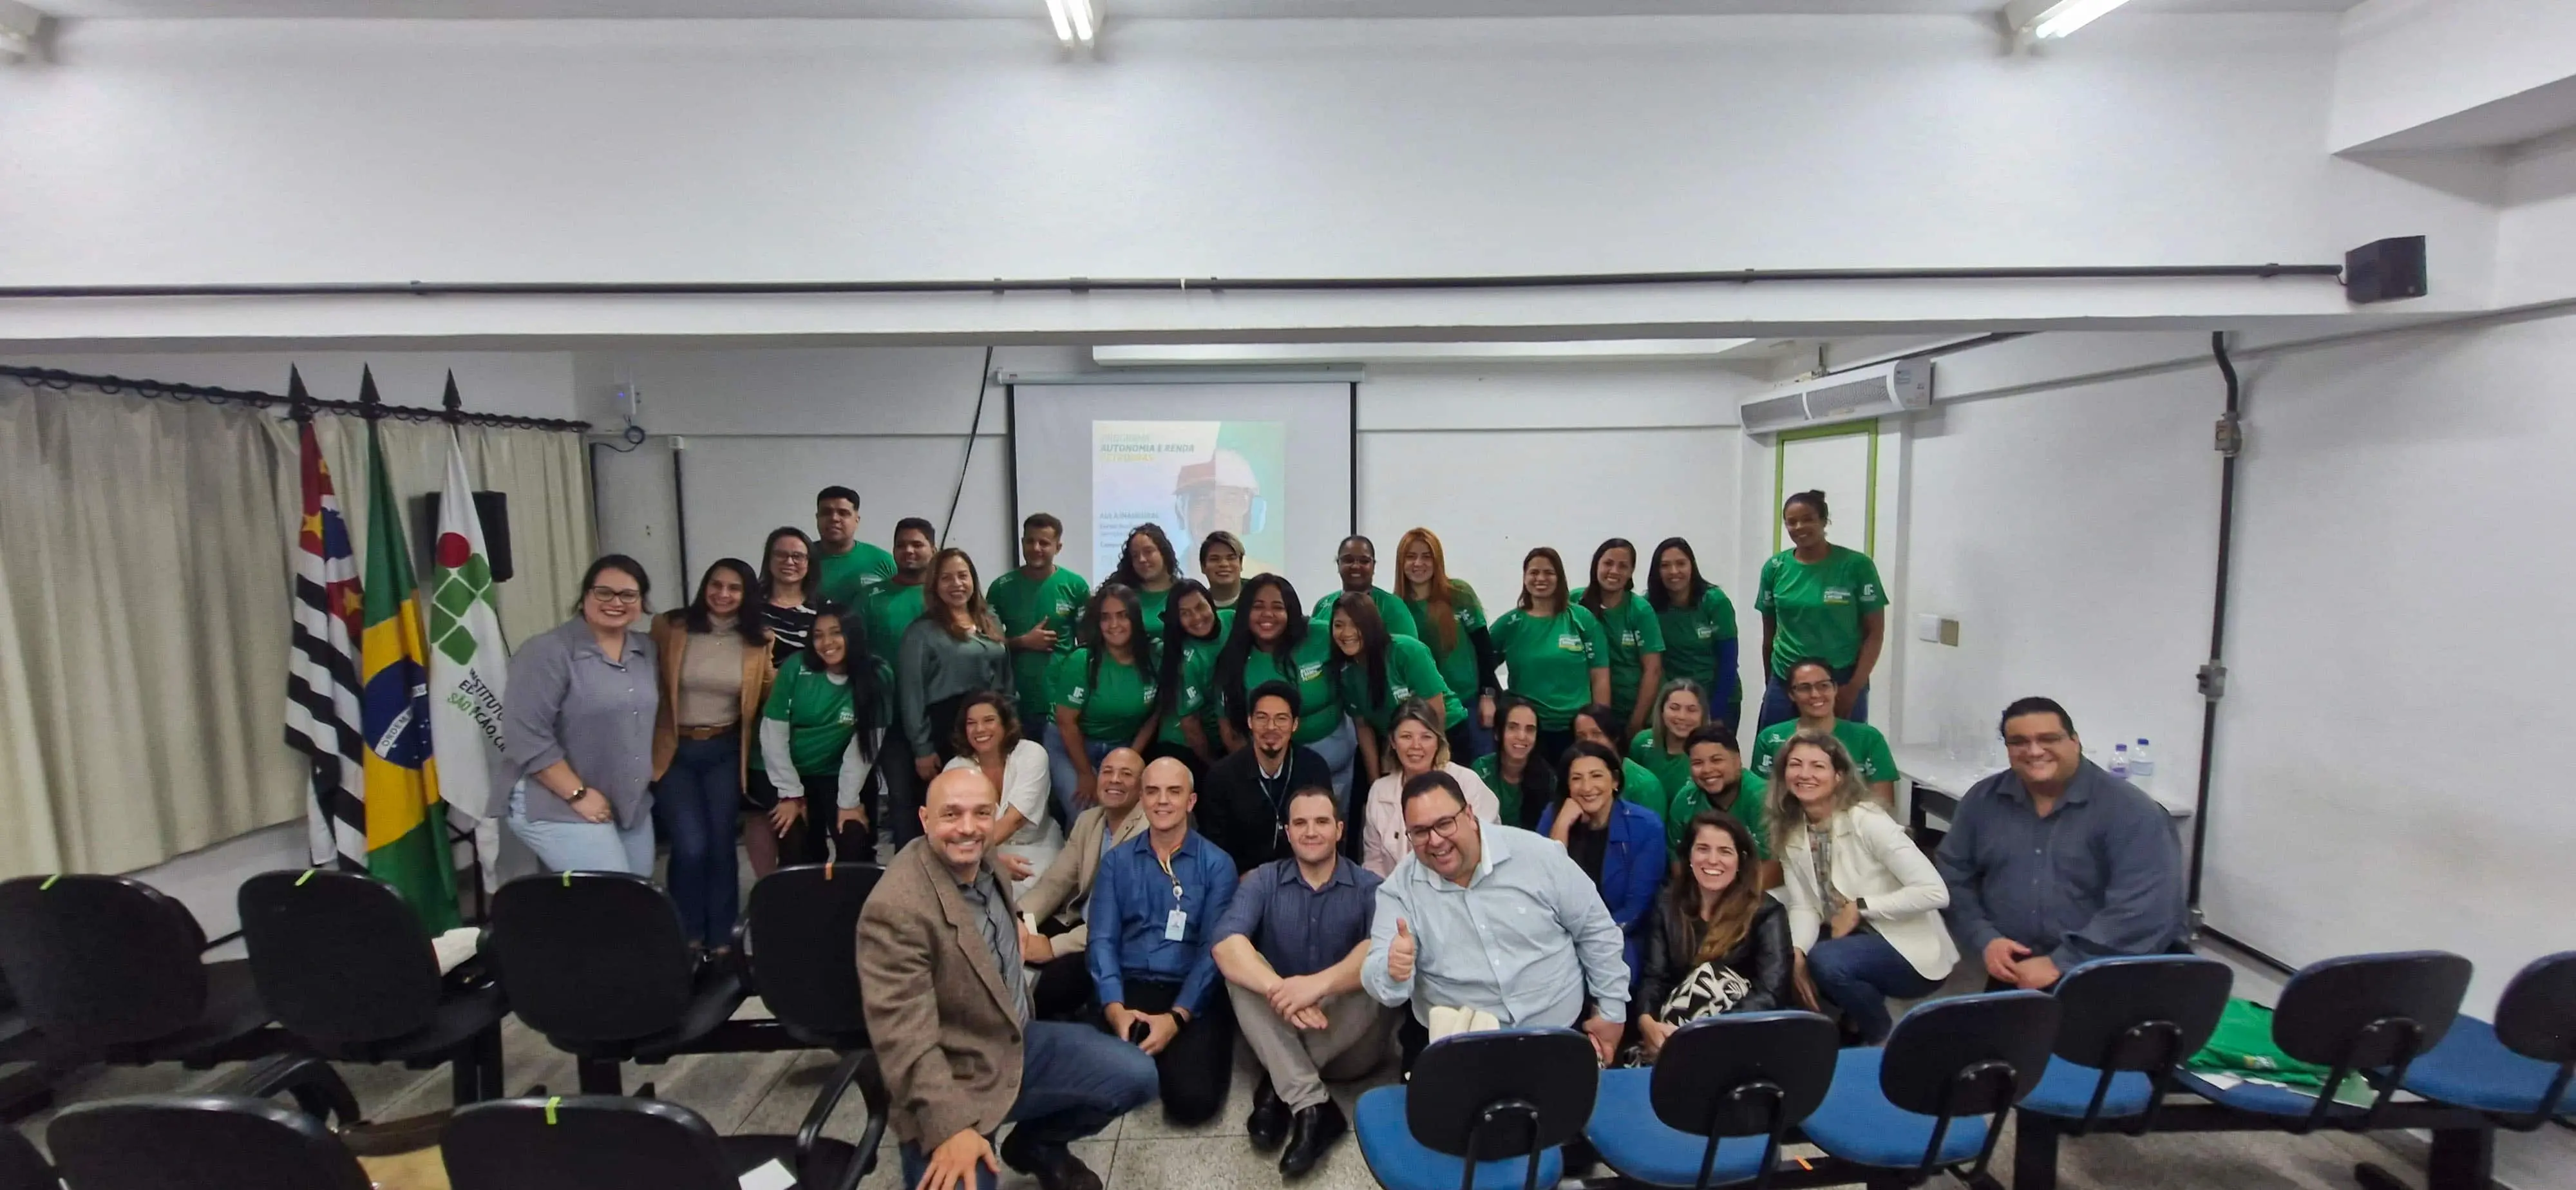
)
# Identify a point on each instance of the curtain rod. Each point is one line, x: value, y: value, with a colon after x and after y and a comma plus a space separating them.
x: 1181, y: 285
x: 297, y: 402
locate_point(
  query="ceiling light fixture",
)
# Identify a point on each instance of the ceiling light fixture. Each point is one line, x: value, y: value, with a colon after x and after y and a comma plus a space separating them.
x: 1077, y: 23
x: 2048, y: 20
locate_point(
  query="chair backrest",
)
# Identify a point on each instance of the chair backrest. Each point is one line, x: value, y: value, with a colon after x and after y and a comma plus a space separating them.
x: 2536, y: 1016
x: 21, y: 1166
x: 1723, y: 1075
x: 338, y: 956
x: 584, y: 1142
x: 590, y: 956
x: 1954, y: 1055
x: 2327, y: 1009
x: 2140, y: 1012
x: 199, y: 1142
x: 101, y: 961
x: 803, y: 939
x: 1458, y: 1079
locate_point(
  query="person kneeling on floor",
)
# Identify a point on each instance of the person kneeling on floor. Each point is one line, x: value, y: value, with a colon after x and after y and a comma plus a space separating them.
x: 1154, y: 909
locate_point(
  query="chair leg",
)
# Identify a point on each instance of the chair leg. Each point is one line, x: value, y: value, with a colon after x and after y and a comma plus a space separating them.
x: 316, y: 1088
x: 489, y: 1058
x: 600, y: 1076
x: 2462, y: 1159
x: 2034, y: 1151
x: 2374, y: 1177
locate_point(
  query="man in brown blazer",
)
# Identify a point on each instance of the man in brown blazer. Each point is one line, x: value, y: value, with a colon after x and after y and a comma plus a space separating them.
x: 948, y: 1005
x: 1056, y: 900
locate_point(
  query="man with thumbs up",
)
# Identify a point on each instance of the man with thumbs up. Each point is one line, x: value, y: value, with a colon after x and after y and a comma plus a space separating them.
x: 1494, y: 919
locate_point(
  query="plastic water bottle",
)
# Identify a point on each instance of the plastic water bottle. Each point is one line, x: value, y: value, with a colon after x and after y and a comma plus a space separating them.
x: 2120, y: 762
x: 2142, y: 765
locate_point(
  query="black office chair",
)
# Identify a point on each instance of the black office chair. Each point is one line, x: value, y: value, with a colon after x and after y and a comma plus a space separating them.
x: 1719, y: 1101
x: 2371, y: 1015
x: 198, y: 1142
x: 1485, y: 1111
x: 608, y: 1142
x: 2516, y: 1070
x: 2125, y: 1027
x: 597, y: 962
x: 22, y: 1167
x: 1935, y: 1097
x: 800, y: 941
x: 346, y: 966
x: 111, y: 967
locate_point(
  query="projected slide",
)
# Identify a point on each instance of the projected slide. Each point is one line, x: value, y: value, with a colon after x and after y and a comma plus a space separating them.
x: 1193, y: 478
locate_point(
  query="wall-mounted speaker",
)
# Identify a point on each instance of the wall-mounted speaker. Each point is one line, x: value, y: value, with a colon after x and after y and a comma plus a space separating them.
x: 493, y: 508
x: 2384, y: 270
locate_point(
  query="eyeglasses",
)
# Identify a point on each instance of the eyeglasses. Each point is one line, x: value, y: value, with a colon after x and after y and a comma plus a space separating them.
x: 1812, y: 688
x: 785, y: 556
x: 2019, y: 743
x: 613, y: 595
x: 1446, y: 828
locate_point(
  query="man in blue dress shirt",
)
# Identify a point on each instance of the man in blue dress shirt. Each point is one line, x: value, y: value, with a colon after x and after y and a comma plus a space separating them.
x: 1154, y: 909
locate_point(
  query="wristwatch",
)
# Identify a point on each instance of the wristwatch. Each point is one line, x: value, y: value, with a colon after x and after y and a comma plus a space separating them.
x: 1860, y: 904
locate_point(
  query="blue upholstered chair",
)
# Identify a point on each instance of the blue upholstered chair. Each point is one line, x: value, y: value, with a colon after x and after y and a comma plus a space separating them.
x: 2371, y: 1014
x: 2516, y: 1069
x: 1720, y: 1098
x: 1935, y: 1096
x: 1485, y: 1111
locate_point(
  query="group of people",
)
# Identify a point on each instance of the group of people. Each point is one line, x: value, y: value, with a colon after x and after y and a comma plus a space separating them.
x: 1137, y: 821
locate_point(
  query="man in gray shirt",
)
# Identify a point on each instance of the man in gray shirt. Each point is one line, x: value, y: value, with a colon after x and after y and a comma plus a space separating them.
x: 2055, y: 862
x: 1493, y: 919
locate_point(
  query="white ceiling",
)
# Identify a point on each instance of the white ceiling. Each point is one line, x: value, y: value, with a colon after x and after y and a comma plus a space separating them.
x: 1115, y: 9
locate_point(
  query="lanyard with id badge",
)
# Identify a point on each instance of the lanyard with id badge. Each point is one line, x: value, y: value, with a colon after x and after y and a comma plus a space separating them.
x: 1176, y: 924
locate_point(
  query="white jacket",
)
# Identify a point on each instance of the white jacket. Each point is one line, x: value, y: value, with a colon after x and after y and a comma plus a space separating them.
x: 1873, y: 860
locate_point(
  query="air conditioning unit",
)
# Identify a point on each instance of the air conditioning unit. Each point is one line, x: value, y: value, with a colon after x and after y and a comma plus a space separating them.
x: 1876, y: 391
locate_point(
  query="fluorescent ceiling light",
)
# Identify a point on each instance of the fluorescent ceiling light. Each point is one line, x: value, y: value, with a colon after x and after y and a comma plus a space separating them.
x: 1076, y: 22
x: 1594, y: 350
x: 2047, y: 20
x: 1063, y: 22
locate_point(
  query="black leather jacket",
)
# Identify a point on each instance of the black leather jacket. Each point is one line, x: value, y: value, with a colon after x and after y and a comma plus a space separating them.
x: 1764, y: 957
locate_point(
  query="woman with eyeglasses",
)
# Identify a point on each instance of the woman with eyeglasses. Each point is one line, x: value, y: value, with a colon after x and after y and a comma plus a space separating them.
x: 1699, y: 629
x: 1378, y: 673
x: 1524, y: 782
x: 1452, y: 621
x: 577, y: 730
x: 819, y: 738
x: 1552, y: 651
x: 1864, y: 902
x: 1630, y: 632
x: 786, y: 592
x: 1147, y: 566
x: 1104, y: 697
x: 1820, y: 600
x: 713, y: 668
x: 1617, y: 842
x: 1811, y: 686
x: 1417, y: 744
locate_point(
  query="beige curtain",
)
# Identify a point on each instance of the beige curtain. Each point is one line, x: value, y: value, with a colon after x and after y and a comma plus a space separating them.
x: 143, y: 630
x: 145, y: 571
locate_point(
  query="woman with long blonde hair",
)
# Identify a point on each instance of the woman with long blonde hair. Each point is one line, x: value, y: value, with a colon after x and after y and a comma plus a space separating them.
x: 1864, y: 903
x: 1452, y: 621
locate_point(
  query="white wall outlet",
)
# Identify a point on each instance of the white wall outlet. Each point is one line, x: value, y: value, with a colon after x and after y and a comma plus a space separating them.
x: 1936, y: 630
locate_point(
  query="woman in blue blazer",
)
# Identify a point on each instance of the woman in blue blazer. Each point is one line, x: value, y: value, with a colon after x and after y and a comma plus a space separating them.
x: 1617, y: 842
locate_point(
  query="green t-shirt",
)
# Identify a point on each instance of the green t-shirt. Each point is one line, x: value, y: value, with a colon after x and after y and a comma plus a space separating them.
x: 1198, y: 670
x: 849, y: 578
x: 1748, y: 808
x: 1549, y: 660
x: 1392, y: 611
x: 1321, y: 712
x: 1458, y: 665
x: 1410, y: 673
x: 1691, y: 637
x: 1816, y: 609
x: 890, y: 610
x: 1507, y: 796
x: 1671, y: 771
x: 819, y: 713
x: 1630, y: 630
x: 1149, y: 607
x: 1867, y: 747
x: 1023, y: 603
x: 1112, y: 706
x: 1638, y: 784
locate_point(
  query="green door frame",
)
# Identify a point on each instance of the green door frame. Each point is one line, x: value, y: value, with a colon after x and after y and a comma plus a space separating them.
x: 1780, y: 477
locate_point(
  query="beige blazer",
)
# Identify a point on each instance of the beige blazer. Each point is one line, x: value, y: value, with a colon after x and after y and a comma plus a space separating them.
x: 1873, y: 859
x: 671, y: 644
x: 946, y: 1032
x: 1068, y: 880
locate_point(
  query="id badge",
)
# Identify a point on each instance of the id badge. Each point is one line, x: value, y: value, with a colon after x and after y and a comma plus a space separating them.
x: 1176, y: 925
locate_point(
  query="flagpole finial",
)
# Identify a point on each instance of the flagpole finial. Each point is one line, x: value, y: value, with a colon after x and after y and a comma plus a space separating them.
x: 370, y: 404
x: 454, y: 403
x: 299, y: 403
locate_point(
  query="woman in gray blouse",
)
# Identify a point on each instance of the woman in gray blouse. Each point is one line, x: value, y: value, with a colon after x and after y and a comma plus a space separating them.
x: 954, y: 649
x: 577, y: 730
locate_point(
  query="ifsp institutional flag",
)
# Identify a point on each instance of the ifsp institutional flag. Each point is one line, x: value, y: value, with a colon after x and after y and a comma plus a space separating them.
x: 322, y: 715
x: 468, y: 665
x: 406, y: 825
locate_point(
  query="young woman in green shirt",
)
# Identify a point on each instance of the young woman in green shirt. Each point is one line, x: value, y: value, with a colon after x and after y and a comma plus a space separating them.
x: 1552, y: 652
x: 1185, y: 721
x: 1148, y: 567
x: 818, y: 738
x: 1452, y: 621
x: 1376, y: 672
x: 1524, y: 782
x: 1271, y: 641
x: 1104, y: 697
x: 1634, y: 637
x: 1821, y: 600
x: 1699, y: 628
x: 1811, y: 684
x: 1680, y: 709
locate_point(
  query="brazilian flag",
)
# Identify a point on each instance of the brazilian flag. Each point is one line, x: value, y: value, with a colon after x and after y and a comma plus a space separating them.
x: 406, y: 844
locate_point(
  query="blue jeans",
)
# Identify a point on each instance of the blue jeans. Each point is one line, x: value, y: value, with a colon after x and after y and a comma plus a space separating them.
x: 697, y: 805
x: 1341, y: 753
x: 583, y: 846
x: 1776, y: 707
x: 1469, y: 739
x: 1060, y: 771
x: 1858, y: 972
x: 1074, y: 1080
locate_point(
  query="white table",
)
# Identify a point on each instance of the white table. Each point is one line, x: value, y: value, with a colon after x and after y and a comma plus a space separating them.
x: 1939, y: 782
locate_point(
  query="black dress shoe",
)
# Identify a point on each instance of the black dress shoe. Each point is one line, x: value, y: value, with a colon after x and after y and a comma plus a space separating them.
x: 1311, y: 1136
x: 1268, y: 1123
x: 1055, y: 1166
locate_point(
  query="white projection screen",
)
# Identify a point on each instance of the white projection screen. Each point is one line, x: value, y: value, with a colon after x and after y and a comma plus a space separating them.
x: 1270, y: 462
